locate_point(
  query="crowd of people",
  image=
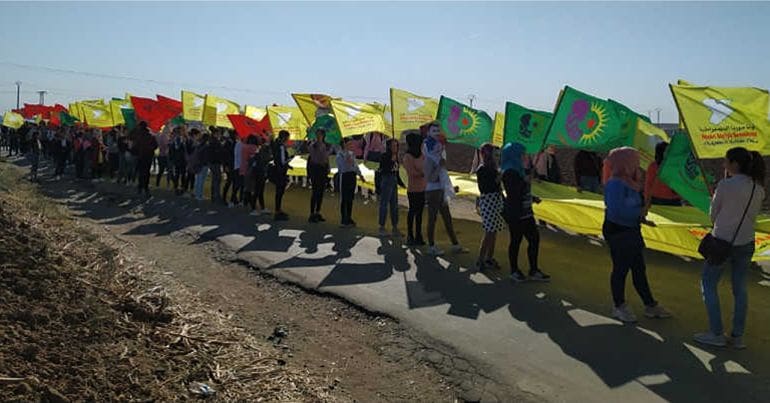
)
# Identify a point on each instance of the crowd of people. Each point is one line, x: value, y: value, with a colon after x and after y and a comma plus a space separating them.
x: 241, y: 167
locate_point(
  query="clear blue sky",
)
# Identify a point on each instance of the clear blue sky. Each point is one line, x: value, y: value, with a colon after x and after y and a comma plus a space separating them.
x: 521, y: 52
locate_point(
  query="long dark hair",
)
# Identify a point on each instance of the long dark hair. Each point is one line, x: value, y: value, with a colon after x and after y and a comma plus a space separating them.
x: 660, y: 151
x: 414, y: 144
x: 749, y: 163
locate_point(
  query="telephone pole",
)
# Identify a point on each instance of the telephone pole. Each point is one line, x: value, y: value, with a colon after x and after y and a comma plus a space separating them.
x: 471, y: 98
x: 18, y: 92
x: 42, y: 97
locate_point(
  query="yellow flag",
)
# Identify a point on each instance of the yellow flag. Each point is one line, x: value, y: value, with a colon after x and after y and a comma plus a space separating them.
x: 13, y: 120
x: 98, y: 102
x: 720, y: 118
x: 498, y: 134
x: 358, y: 118
x: 216, y: 109
x: 74, y: 110
x: 647, y: 136
x: 192, y: 106
x: 288, y: 118
x: 387, y: 115
x: 313, y: 105
x: 255, y: 112
x: 97, y: 115
x: 411, y: 111
x: 116, y: 107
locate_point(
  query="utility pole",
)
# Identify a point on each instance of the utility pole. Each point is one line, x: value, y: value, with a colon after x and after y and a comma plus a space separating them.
x: 471, y: 98
x: 657, y: 110
x: 42, y: 97
x: 18, y: 92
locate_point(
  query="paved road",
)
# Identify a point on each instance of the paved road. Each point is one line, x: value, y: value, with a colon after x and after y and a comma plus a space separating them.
x: 553, y: 341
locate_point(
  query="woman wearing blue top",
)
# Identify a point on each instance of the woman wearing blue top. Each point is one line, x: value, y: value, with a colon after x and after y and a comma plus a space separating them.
x: 622, y: 230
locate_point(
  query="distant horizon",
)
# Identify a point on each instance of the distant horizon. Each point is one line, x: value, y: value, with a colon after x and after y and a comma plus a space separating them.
x: 260, y: 53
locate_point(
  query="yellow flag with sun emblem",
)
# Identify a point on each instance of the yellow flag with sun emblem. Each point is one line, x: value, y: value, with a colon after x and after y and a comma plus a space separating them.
x: 463, y: 124
x: 288, y: 118
x: 254, y: 112
x: 586, y: 122
x: 411, y: 111
x: 13, y: 120
x: 116, y: 107
x: 358, y: 118
x: 720, y: 118
x: 216, y: 109
x: 97, y: 115
x: 192, y: 106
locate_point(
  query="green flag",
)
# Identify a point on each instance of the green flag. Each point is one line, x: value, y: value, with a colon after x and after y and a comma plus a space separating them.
x: 681, y: 172
x: 463, y: 124
x: 129, y: 115
x: 329, y: 124
x: 587, y: 123
x: 525, y: 126
x: 177, y: 121
x: 67, y: 119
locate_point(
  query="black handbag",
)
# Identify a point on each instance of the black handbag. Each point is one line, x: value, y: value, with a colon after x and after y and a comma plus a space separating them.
x: 716, y: 250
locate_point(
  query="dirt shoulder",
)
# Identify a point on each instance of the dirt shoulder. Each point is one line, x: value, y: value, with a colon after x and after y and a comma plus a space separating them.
x: 94, y: 315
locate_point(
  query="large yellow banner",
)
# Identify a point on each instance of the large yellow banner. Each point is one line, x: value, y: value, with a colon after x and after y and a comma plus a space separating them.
x: 411, y: 111
x: 720, y: 118
x: 288, y: 118
x: 216, y: 109
x: 358, y: 118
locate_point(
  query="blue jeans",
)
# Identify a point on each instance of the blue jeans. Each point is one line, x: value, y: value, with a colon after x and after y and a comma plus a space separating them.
x: 739, y: 260
x: 589, y: 183
x: 389, y: 195
x: 200, y: 179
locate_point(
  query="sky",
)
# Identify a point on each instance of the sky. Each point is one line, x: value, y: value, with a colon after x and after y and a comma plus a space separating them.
x: 260, y: 53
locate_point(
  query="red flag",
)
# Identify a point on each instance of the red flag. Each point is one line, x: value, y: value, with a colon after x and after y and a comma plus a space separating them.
x: 246, y: 126
x: 153, y: 112
x: 55, y: 118
x: 58, y: 108
x: 170, y: 103
x: 31, y: 110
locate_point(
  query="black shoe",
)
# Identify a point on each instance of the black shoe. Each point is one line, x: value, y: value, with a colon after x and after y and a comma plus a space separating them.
x: 313, y: 218
x: 281, y: 217
x: 419, y: 242
x: 320, y: 218
x: 537, y: 275
x: 518, y: 277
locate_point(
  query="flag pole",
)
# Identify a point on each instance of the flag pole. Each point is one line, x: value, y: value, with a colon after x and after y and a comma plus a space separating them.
x: 683, y: 122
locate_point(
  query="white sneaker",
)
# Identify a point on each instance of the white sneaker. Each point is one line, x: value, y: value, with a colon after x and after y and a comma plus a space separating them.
x: 624, y: 314
x: 266, y: 211
x: 230, y: 205
x: 435, y: 251
x: 711, y: 339
x: 656, y: 312
x: 254, y: 213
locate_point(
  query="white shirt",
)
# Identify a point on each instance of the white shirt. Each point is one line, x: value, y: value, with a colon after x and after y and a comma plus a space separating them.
x: 730, y: 199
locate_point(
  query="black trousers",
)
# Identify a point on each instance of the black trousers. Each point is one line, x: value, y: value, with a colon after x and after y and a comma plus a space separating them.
x: 414, y: 216
x: 347, y: 193
x: 318, y: 181
x: 61, y: 162
x: 258, y: 196
x: 627, y: 252
x: 143, y: 167
x: 162, y: 167
x: 281, y: 181
x: 524, y: 228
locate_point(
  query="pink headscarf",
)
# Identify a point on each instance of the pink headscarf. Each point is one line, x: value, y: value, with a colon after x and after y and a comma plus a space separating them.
x: 623, y: 164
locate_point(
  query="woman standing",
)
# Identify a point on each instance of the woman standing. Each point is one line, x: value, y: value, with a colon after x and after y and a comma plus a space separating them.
x: 437, y: 182
x: 490, y: 204
x: 734, y: 210
x: 519, y: 215
x: 318, y: 171
x: 390, y: 180
x: 414, y: 162
x: 623, y: 233
x: 347, y: 168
